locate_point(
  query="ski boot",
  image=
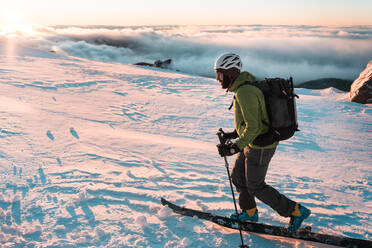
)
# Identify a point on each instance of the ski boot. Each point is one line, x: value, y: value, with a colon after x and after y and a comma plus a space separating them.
x: 296, y: 221
x: 243, y: 216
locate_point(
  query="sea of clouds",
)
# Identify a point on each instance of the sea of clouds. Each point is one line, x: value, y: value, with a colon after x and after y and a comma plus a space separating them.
x: 304, y: 52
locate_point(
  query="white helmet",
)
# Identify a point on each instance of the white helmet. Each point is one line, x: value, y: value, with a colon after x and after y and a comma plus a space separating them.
x: 227, y: 61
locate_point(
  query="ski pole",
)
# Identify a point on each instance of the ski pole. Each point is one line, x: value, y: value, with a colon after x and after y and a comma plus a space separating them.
x: 219, y: 134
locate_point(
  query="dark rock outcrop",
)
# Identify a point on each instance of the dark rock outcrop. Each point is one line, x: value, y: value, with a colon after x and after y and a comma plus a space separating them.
x: 143, y: 64
x: 158, y: 64
x: 163, y: 64
x: 324, y: 83
x: 361, y: 89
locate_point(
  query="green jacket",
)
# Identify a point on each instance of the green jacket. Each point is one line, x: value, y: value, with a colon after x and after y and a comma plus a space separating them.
x: 249, y: 110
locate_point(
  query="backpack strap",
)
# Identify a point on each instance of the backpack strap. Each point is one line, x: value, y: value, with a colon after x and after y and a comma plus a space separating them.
x: 245, y: 83
x: 232, y: 103
x: 271, y: 129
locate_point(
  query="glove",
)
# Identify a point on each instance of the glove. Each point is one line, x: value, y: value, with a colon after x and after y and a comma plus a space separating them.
x: 228, y: 135
x: 227, y: 149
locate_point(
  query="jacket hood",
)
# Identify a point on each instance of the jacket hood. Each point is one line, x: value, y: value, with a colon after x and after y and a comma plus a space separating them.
x: 243, y: 77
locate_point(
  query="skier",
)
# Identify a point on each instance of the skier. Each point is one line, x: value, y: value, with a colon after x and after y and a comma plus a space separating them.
x: 252, y: 161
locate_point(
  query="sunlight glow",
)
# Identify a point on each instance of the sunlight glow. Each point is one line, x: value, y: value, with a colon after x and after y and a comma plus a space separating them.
x: 13, y: 17
x: 17, y: 29
x: 14, y: 26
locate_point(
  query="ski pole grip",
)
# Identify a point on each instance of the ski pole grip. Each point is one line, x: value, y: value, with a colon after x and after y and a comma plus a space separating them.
x: 219, y: 134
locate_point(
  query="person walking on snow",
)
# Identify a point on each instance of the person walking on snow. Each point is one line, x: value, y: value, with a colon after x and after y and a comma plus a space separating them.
x: 252, y: 161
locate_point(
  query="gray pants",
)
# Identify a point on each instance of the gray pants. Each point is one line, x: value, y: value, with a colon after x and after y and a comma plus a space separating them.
x: 248, y: 176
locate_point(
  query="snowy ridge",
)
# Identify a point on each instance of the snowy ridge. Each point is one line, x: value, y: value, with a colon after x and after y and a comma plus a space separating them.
x: 89, y: 148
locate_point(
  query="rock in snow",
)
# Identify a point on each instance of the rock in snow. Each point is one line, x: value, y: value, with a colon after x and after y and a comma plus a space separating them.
x: 158, y: 64
x: 361, y: 89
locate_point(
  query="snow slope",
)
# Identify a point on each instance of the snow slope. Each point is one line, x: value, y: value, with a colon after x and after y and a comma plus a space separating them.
x: 88, y: 148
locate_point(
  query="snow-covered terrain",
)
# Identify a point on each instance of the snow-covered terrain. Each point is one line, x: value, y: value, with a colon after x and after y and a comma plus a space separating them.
x: 88, y: 148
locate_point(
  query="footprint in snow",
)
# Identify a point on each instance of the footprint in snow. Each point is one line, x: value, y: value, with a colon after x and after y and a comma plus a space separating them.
x: 16, y: 210
x: 42, y: 175
x: 74, y: 133
x: 50, y: 135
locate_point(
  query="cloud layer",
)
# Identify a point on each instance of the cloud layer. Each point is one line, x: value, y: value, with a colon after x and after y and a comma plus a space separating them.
x: 304, y: 52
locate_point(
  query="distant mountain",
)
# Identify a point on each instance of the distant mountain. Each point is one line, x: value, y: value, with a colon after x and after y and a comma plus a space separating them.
x: 323, y: 83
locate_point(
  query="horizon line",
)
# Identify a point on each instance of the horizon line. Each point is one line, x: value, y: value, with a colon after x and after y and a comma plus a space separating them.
x: 200, y: 25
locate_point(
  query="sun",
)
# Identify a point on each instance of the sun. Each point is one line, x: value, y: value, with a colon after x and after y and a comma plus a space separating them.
x: 13, y: 17
x: 14, y: 25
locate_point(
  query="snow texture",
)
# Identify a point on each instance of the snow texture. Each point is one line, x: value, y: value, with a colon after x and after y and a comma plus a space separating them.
x: 88, y: 148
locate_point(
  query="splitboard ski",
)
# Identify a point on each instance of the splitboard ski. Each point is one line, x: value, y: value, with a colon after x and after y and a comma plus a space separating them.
x: 301, y: 233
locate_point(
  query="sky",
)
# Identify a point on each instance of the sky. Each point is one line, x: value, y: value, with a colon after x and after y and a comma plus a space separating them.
x: 191, y: 12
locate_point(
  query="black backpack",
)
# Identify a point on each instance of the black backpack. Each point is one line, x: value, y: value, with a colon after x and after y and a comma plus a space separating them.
x: 281, y: 109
